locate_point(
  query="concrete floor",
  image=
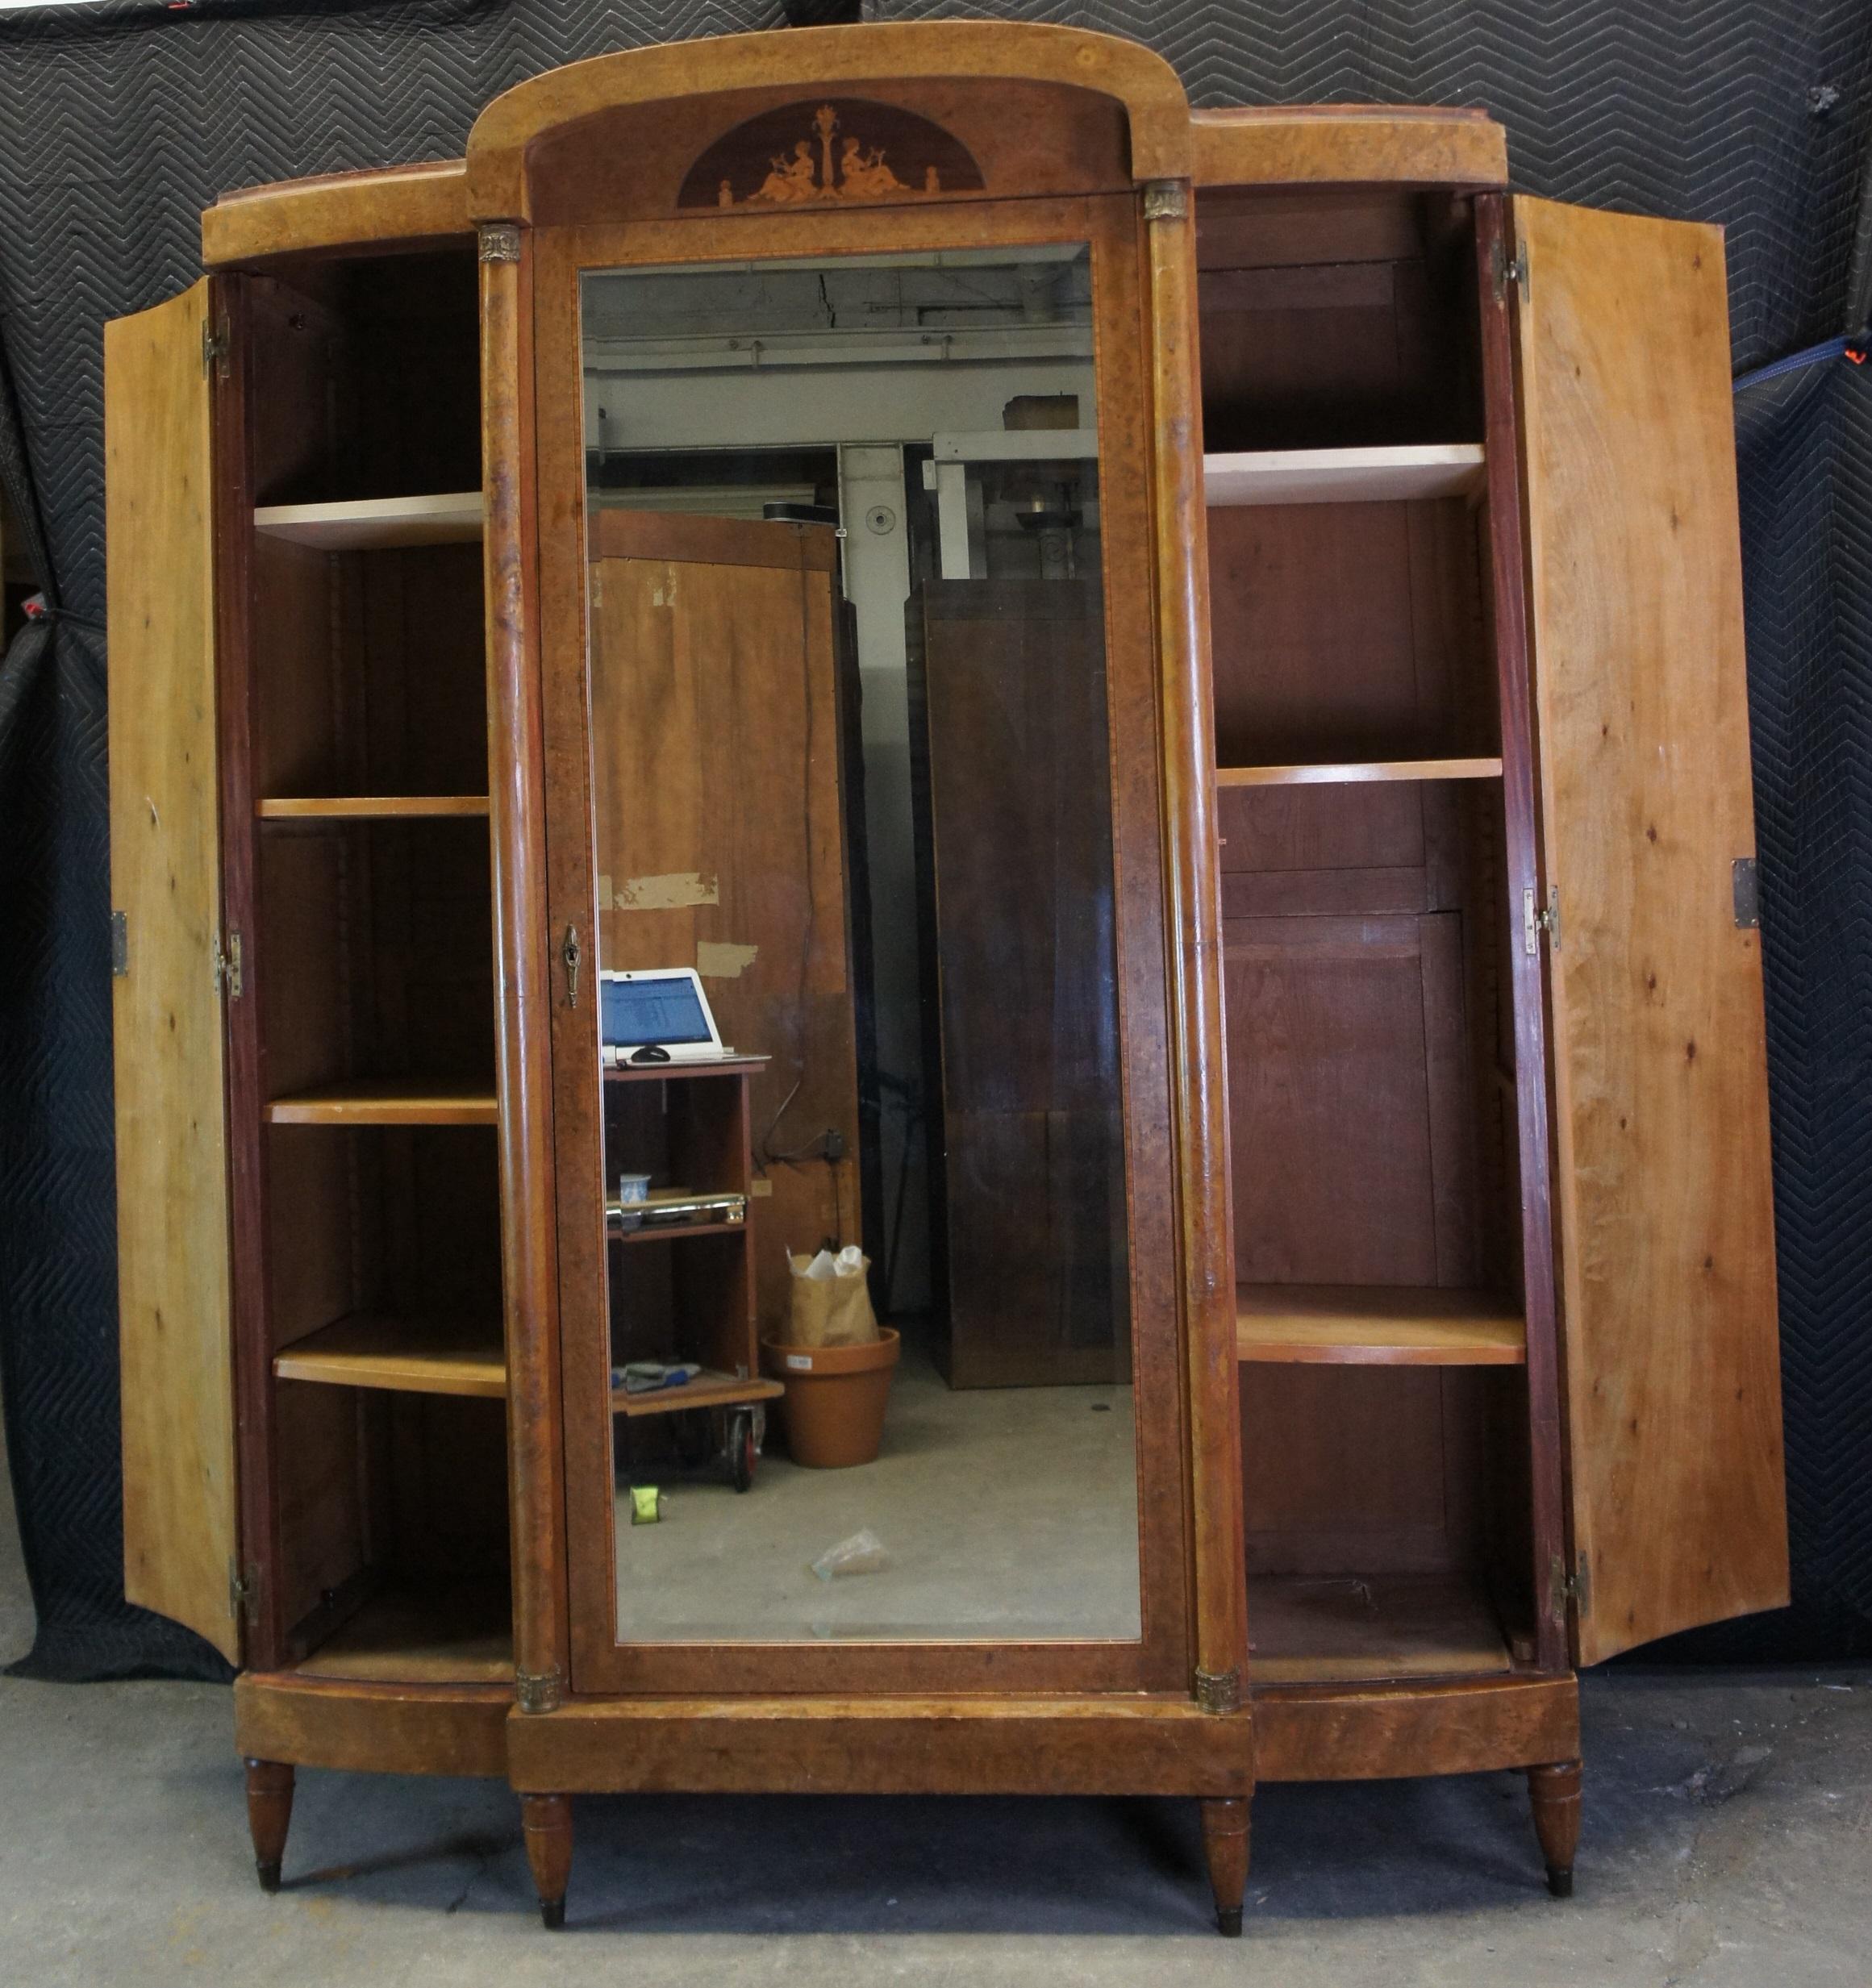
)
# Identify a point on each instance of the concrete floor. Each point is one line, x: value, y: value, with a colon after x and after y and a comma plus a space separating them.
x: 1004, y: 1512
x: 1728, y: 1844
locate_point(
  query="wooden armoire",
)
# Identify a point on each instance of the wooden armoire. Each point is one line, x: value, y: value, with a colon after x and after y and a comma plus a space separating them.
x: 1432, y: 1159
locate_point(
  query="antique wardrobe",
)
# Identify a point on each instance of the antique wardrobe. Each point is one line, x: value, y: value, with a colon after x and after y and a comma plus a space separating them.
x: 1177, y: 676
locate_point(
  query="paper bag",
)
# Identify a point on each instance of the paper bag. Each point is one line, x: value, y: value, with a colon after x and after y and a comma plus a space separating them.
x: 832, y: 1300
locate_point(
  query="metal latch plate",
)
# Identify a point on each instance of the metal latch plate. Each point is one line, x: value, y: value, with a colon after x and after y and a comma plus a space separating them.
x: 1747, y: 887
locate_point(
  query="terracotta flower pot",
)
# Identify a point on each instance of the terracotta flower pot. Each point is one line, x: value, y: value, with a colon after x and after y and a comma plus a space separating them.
x: 835, y: 1398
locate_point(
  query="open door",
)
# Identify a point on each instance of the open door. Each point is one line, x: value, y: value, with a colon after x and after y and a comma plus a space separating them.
x: 180, y: 1532
x: 1671, y: 1378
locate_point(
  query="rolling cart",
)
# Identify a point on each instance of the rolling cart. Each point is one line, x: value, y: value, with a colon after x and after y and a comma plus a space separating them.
x: 681, y: 1267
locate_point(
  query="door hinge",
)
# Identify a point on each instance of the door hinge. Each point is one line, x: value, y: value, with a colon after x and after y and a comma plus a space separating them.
x: 1563, y: 1587
x: 1504, y: 270
x: 227, y: 966
x: 242, y: 1590
x: 1534, y: 921
x: 1745, y: 885
x: 1218, y: 1690
x: 215, y: 347
x: 540, y: 1690
x: 119, y: 944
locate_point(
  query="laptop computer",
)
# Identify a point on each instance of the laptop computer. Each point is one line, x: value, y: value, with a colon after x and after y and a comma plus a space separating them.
x: 658, y: 1015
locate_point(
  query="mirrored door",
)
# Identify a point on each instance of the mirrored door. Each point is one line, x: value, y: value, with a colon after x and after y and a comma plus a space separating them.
x: 849, y: 1249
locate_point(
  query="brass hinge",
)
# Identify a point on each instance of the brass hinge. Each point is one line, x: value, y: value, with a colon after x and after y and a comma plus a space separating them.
x: 1218, y: 1690
x: 1504, y: 271
x: 227, y: 966
x: 1535, y: 922
x: 119, y: 944
x: 242, y: 1590
x: 1563, y: 1587
x: 216, y: 346
x: 540, y: 1691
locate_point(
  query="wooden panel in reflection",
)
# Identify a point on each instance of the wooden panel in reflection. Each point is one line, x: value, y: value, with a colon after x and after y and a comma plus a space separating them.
x: 1014, y: 845
x: 720, y: 845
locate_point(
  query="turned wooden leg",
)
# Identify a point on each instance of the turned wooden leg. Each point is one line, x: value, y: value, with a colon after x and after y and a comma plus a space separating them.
x: 1555, y: 1791
x: 1225, y: 1845
x: 546, y: 1822
x: 269, y: 1814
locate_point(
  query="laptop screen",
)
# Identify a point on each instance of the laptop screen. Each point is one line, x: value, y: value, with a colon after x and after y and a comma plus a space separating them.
x: 666, y: 1011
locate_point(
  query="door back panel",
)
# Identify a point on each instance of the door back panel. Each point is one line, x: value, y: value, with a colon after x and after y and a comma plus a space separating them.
x: 180, y: 1532
x: 1672, y: 1379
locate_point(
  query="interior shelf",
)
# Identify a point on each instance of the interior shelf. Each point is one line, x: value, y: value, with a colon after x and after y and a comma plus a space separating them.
x: 458, y: 1634
x: 376, y: 523
x: 1358, y: 773
x: 709, y: 1389
x: 404, y: 1356
x: 354, y: 808
x: 1377, y: 1325
x: 1344, y: 476
x: 1345, y: 1628
x: 386, y: 1101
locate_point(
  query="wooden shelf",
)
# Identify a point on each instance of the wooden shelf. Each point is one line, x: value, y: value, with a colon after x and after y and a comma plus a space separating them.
x: 708, y: 1390
x: 355, y: 807
x: 403, y: 1356
x: 376, y: 523
x: 673, y: 1232
x: 1342, y: 1629
x: 656, y: 1073
x: 1344, y: 476
x: 386, y: 1101
x: 1377, y: 1325
x: 1357, y: 771
x: 457, y: 1634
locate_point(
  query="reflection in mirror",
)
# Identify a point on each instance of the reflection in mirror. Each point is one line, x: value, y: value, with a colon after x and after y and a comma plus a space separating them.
x: 863, y: 1143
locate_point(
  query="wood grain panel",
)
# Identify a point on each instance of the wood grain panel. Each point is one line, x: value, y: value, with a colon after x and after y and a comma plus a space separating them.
x: 1014, y: 859
x: 1358, y: 773
x: 1351, y: 1133
x: 1377, y: 1732
x: 1377, y: 1325
x: 460, y: 1633
x: 173, y: 1236
x: 1141, y: 82
x: 371, y: 210
x: 417, y: 1356
x: 718, y: 820
x: 1666, y: 1218
x: 386, y: 1101
x: 1346, y: 632
x: 427, y: 1728
x: 1329, y: 1629
x: 986, y: 1745
x: 1284, y: 145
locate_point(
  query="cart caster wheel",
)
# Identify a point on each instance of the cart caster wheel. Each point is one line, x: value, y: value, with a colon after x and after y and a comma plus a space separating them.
x: 741, y: 1450
x: 552, y: 1914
